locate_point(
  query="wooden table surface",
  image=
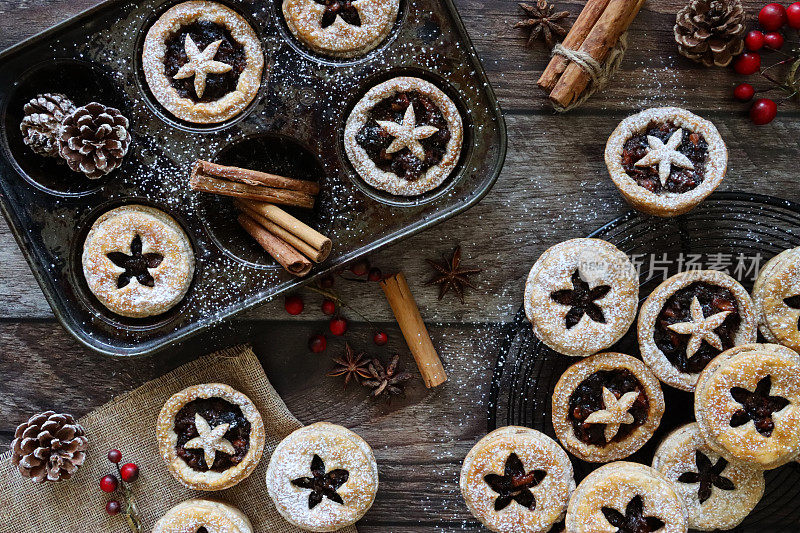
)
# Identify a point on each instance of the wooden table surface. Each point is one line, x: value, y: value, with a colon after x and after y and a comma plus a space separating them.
x: 554, y: 186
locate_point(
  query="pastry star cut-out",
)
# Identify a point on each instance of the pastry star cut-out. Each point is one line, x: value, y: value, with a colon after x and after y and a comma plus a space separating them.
x: 201, y: 64
x: 665, y: 155
x: 700, y: 328
x: 210, y: 440
x: 407, y: 134
x: 615, y: 413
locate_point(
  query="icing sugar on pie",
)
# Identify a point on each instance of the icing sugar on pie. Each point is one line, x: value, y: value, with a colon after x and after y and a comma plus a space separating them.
x: 776, y: 295
x: 203, y: 516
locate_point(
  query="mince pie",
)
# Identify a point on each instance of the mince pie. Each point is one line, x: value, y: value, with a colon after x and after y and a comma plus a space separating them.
x: 203, y: 62
x: 203, y: 516
x: 211, y: 436
x: 606, y: 407
x: 341, y: 28
x: 718, y: 494
x: 776, y: 295
x: 517, y: 479
x: 137, y: 261
x: 625, y: 497
x: 404, y: 136
x: 747, y: 405
x: 666, y: 160
x: 322, y: 477
x: 690, y: 319
x: 581, y: 296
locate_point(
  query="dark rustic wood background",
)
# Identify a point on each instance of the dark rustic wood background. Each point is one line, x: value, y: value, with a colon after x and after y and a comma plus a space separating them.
x: 554, y: 186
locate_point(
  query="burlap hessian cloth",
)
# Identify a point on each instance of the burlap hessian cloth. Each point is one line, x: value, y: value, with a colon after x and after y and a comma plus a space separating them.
x: 128, y: 423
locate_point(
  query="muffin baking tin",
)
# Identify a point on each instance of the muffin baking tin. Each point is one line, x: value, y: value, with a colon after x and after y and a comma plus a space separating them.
x: 294, y: 127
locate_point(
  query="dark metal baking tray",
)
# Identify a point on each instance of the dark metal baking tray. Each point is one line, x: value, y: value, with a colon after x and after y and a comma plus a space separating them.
x: 294, y: 127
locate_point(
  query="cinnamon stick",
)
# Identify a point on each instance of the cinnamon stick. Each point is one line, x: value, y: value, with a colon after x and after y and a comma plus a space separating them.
x: 289, y: 258
x: 295, y: 241
x: 574, y: 39
x: 416, y: 334
x: 614, y: 21
x: 200, y: 182
x: 254, y: 177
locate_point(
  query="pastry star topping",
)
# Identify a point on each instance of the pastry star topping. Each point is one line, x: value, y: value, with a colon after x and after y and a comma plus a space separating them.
x: 665, y: 155
x: 700, y: 328
x: 757, y: 406
x: 581, y: 300
x: 201, y: 64
x: 136, y: 265
x: 708, y: 475
x: 515, y: 484
x: 407, y: 134
x: 633, y: 521
x: 615, y: 413
x: 210, y: 440
x: 322, y: 485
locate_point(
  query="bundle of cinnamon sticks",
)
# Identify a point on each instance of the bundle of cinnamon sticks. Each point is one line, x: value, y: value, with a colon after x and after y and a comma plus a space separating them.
x: 292, y: 243
x: 596, y: 32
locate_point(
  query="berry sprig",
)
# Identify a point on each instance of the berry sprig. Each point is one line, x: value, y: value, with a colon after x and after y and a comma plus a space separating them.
x: 126, y: 475
x: 772, y: 18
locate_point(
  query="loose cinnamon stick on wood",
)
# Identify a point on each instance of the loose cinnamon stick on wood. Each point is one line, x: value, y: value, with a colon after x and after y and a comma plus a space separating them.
x: 281, y: 218
x: 577, y: 34
x: 614, y: 21
x: 289, y: 258
x: 295, y: 241
x: 254, y: 177
x: 416, y: 334
x: 199, y: 182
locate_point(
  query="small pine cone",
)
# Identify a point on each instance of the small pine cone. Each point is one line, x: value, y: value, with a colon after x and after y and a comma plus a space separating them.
x: 43, y: 116
x: 711, y: 32
x: 93, y: 139
x: 49, y: 447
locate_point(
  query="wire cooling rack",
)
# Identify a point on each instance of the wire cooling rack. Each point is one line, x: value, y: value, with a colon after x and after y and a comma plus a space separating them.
x: 733, y: 232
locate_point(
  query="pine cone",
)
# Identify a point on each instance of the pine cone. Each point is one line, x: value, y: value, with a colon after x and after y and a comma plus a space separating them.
x: 49, y: 447
x: 93, y: 139
x: 43, y: 115
x: 711, y: 32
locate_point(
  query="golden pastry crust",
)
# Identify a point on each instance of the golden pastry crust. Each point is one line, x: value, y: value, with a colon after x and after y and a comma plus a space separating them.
x: 613, y: 487
x: 666, y: 204
x: 210, y: 479
x: 599, y: 264
x: 743, y: 370
x: 340, y: 39
x: 339, y: 449
x: 537, y: 451
x: 389, y: 181
x: 777, y: 286
x: 154, y: 56
x: 191, y: 515
x: 655, y: 358
x: 731, y: 496
x: 616, y: 448
x: 115, y: 231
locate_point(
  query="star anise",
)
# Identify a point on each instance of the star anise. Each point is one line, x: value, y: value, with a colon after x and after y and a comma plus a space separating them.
x: 351, y: 365
x: 450, y: 275
x: 389, y: 380
x: 543, y: 23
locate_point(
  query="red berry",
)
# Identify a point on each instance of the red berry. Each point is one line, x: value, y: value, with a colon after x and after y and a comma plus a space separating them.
x: 108, y: 483
x: 793, y: 15
x: 380, y: 338
x: 763, y: 111
x: 326, y: 282
x: 360, y: 268
x: 375, y: 274
x: 773, y: 40
x: 747, y: 63
x: 115, y: 456
x: 754, y: 40
x: 113, y: 507
x: 317, y: 343
x: 338, y: 326
x: 129, y: 472
x: 328, y: 306
x: 744, y: 92
x: 294, y: 304
x: 772, y: 16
